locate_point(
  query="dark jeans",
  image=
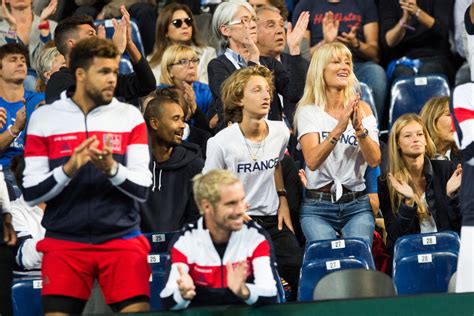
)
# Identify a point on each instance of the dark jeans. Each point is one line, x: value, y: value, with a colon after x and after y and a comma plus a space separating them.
x: 288, y: 252
x: 6, y: 275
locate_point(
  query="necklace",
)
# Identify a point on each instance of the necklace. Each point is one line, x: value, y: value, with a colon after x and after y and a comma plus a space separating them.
x: 261, y: 145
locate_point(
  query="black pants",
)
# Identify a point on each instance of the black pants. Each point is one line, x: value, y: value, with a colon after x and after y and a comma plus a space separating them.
x: 288, y: 252
x: 6, y: 275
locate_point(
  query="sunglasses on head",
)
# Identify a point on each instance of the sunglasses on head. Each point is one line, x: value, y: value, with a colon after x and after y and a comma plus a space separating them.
x: 179, y: 22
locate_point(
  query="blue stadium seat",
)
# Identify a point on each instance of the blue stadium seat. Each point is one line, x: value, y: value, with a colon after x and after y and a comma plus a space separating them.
x: 426, y: 243
x: 339, y: 249
x: 424, y: 273
x: 160, y: 264
x: 160, y: 242
x: 315, y: 270
x: 367, y: 95
x: 136, y: 37
x: 408, y: 95
x: 26, y: 296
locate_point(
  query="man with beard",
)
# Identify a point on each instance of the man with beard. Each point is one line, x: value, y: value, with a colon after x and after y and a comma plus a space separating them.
x: 219, y: 259
x: 74, y: 28
x: 16, y: 103
x: 86, y: 156
x: 174, y: 163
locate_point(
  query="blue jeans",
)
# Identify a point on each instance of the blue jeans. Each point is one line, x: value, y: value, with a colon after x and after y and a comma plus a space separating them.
x: 321, y: 219
x: 374, y: 76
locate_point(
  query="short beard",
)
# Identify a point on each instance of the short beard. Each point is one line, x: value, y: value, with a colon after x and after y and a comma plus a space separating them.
x: 97, y: 97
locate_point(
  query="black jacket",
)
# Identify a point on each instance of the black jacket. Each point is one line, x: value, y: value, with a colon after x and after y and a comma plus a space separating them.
x: 289, y: 82
x: 170, y: 201
x: 129, y: 87
x: 444, y: 210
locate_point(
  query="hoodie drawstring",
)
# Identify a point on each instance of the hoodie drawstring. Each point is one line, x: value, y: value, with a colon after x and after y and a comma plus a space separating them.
x: 159, y: 180
x: 154, y: 182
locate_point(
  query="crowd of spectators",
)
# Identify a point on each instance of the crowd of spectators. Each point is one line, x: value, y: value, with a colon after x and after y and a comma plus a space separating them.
x: 92, y: 156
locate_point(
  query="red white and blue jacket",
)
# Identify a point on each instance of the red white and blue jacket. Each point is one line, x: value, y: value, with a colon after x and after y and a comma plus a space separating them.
x: 195, y: 252
x: 89, y: 207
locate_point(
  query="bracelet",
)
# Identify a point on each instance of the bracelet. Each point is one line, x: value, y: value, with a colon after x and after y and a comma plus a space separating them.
x: 404, y: 25
x: 11, y: 132
x: 281, y: 192
x: 11, y: 34
x: 43, y: 25
x: 418, y: 11
x: 113, y: 171
x: 333, y: 140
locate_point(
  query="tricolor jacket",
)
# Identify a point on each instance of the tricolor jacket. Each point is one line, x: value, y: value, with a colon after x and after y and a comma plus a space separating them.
x: 195, y: 252
x: 89, y: 207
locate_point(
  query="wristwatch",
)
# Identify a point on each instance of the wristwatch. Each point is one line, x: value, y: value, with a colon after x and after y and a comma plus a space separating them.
x: 364, y: 133
x: 281, y: 192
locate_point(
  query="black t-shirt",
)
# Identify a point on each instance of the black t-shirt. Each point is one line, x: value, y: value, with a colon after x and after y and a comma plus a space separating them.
x: 349, y: 13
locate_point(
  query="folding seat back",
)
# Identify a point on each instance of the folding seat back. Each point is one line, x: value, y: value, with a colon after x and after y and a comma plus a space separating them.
x: 354, y: 283
x: 424, y: 273
x: 367, y: 95
x: 160, y: 263
x: 408, y: 95
x: 26, y: 296
x: 315, y: 270
x: 160, y: 242
x: 338, y: 249
x: 426, y: 243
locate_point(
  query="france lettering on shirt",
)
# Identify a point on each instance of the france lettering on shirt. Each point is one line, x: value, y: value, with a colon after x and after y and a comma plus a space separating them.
x: 257, y: 165
x: 344, y: 139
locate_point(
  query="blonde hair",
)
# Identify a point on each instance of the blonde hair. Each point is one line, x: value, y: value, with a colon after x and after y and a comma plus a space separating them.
x: 208, y: 186
x: 232, y: 90
x: 396, y: 163
x: 171, y: 55
x: 433, y: 109
x: 315, y: 88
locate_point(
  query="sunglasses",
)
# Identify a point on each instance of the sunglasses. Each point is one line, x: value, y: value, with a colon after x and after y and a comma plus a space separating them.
x: 177, y: 23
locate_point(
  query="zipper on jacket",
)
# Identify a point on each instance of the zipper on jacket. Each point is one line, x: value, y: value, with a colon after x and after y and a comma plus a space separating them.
x: 222, y: 273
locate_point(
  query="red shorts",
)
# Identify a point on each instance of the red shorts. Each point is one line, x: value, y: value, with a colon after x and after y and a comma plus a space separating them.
x: 120, y: 265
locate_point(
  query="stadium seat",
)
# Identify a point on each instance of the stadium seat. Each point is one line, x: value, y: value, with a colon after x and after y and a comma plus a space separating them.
x: 315, y: 270
x: 160, y: 242
x: 26, y: 296
x: 408, y: 95
x: 424, y: 273
x: 426, y: 243
x: 338, y: 249
x: 159, y: 265
x: 354, y: 283
x: 367, y: 95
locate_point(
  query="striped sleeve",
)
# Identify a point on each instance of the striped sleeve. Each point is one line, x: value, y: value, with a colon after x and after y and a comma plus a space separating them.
x: 171, y: 298
x: 39, y: 181
x: 263, y: 290
x: 134, y: 178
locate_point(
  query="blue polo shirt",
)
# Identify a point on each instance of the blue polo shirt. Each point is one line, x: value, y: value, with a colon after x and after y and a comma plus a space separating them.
x: 16, y: 147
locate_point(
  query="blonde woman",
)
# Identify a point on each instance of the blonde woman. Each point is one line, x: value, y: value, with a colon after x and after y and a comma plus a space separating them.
x: 437, y: 120
x: 339, y: 138
x: 418, y: 194
x: 179, y: 68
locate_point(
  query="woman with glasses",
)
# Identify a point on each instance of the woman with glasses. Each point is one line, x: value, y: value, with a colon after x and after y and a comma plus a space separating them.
x: 179, y: 68
x: 339, y: 138
x: 176, y: 25
x: 234, y: 25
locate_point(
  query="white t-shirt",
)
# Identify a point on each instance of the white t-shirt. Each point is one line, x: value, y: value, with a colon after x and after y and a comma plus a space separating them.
x: 228, y: 150
x: 345, y: 165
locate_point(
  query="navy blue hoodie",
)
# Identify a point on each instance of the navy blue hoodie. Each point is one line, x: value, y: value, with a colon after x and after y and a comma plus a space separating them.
x: 170, y: 201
